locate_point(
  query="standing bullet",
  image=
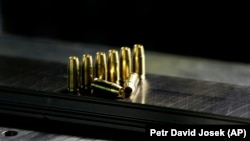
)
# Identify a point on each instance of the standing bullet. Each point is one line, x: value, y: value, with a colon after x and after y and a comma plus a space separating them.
x: 125, y: 64
x: 86, y: 73
x: 73, y: 74
x: 139, y: 60
x: 101, y: 66
x: 104, y: 88
x: 113, y: 66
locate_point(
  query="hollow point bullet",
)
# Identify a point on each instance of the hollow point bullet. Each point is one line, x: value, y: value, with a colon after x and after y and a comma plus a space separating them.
x: 73, y: 74
x: 138, y: 60
x: 105, y: 88
x: 101, y: 66
x: 113, y: 66
x: 125, y: 64
x: 86, y: 72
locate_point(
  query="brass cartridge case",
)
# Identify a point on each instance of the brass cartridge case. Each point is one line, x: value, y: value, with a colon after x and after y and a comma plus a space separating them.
x: 101, y: 66
x: 107, y: 89
x: 125, y: 64
x: 113, y: 66
x: 131, y: 84
x: 73, y: 74
x: 86, y: 71
x: 138, y: 60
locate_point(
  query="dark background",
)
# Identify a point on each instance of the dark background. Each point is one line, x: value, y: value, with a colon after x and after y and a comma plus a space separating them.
x: 211, y: 30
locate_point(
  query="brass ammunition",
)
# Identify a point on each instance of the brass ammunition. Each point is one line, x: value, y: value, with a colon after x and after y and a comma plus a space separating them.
x: 113, y: 66
x: 86, y: 72
x: 131, y: 84
x: 125, y: 64
x: 139, y: 60
x: 73, y: 74
x: 105, y: 88
x: 101, y: 66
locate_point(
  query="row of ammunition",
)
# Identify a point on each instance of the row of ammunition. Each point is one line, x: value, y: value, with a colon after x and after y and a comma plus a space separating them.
x: 114, y: 76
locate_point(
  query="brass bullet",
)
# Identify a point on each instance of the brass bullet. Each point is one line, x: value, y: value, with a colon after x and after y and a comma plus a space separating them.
x: 131, y: 84
x: 101, y: 66
x: 125, y: 64
x: 105, y: 88
x: 73, y: 74
x: 138, y: 60
x: 113, y: 66
x: 86, y: 72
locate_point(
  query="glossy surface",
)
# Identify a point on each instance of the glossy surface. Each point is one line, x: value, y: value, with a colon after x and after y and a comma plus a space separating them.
x: 113, y: 66
x: 101, y: 66
x: 181, y: 82
x: 73, y: 74
x: 125, y: 63
x: 87, y: 71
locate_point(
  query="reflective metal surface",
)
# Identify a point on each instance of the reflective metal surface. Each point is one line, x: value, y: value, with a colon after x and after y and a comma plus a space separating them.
x: 158, y: 90
x: 195, y: 95
x: 185, y: 83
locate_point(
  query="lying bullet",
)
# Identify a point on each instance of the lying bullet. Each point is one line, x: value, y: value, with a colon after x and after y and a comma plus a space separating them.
x: 73, y: 74
x: 86, y: 72
x: 130, y: 85
x: 139, y: 60
x: 113, y: 66
x: 104, y: 88
x: 125, y: 64
x: 101, y: 66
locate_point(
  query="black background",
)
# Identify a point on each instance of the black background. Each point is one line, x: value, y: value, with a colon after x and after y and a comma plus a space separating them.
x: 205, y: 29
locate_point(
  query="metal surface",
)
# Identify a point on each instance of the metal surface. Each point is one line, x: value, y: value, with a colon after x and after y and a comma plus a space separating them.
x: 29, y: 135
x: 157, y: 90
x: 181, y: 87
x: 164, y: 91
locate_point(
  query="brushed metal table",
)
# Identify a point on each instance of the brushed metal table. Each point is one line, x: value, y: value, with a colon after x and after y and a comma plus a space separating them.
x: 172, y: 81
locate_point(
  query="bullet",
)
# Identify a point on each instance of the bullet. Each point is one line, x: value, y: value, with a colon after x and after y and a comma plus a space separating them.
x: 101, y: 66
x: 73, y: 74
x: 86, y: 72
x: 113, y: 66
x: 125, y: 64
x: 105, y: 88
x: 138, y: 60
x: 131, y: 84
